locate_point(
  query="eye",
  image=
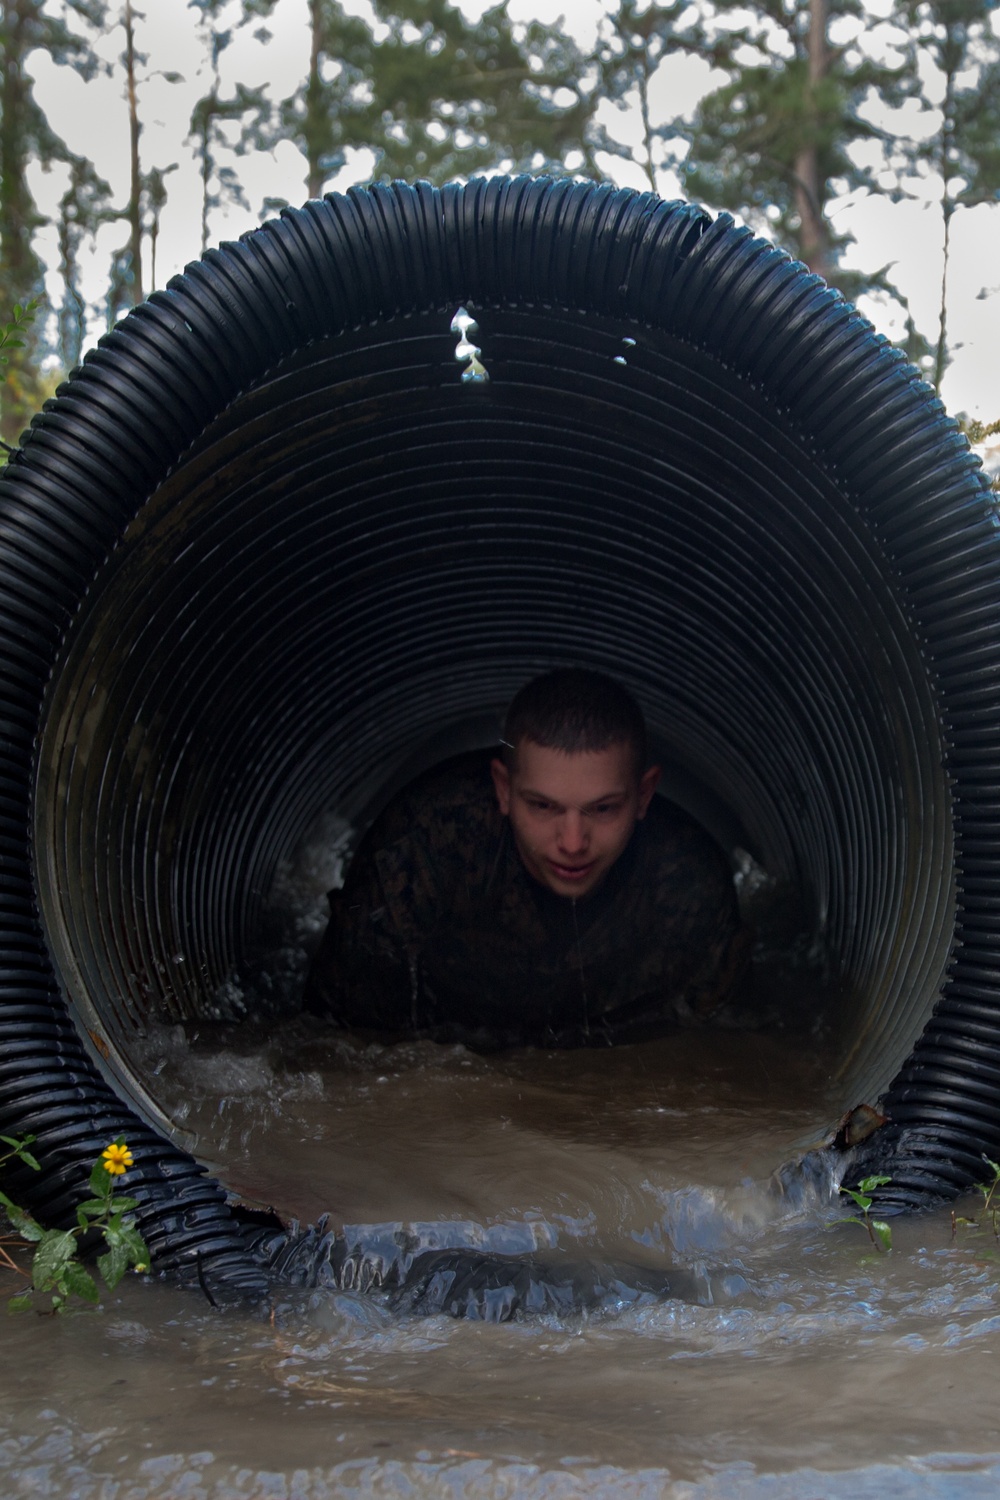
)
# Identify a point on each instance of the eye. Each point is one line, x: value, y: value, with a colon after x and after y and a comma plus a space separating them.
x: 538, y: 804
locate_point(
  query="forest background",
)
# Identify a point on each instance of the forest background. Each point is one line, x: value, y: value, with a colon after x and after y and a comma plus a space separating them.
x: 863, y: 136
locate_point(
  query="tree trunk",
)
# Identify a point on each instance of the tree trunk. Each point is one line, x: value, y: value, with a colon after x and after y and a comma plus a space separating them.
x: 204, y: 152
x: 20, y: 271
x: 135, y: 176
x: 73, y: 313
x: 314, y: 132
x: 647, y: 126
x: 814, y: 236
x: 953, y: 53
x: 15, y: 217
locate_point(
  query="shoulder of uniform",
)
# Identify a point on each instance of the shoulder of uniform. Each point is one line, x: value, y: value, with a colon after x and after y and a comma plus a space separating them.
x: 461, y: 783
x: 671, y: 833
x: 459, y: 793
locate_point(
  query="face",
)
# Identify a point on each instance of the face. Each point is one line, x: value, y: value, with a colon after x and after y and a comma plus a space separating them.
x: 572, y: 815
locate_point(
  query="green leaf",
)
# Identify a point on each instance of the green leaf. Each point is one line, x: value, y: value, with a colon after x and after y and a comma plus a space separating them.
x: 114, y: 1264
x: 125, y: 1205
x: 27, y: 1227
x: 126, y: 1248
x: 93, y: 1208
x: 79, y: 1281
x: 21, y: 1303
x: 100, y: 1180
x: 869, y: 1184
x: 861, y: 1199
x: 138, y: 1250
x: 19, y: 1147
x: 883, y: 1233
x: 56, y: 1248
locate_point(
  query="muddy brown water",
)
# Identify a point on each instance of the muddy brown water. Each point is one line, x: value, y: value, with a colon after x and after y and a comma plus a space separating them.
x: 812, y: 1366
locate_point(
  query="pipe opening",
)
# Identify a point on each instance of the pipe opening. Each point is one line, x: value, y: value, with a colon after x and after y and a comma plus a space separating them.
x: 358, y: 562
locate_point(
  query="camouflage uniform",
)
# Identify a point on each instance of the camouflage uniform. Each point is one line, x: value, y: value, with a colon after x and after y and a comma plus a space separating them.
x: 440, y: 930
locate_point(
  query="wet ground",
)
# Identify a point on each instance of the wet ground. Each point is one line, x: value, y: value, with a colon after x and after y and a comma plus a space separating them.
x: 809, y: 1366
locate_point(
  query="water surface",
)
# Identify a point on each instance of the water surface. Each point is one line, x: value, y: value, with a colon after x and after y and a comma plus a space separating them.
x: 810, y: 1366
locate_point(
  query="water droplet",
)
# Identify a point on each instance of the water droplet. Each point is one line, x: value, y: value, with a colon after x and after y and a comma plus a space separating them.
x: 476, y: 371
x: 464, y: 324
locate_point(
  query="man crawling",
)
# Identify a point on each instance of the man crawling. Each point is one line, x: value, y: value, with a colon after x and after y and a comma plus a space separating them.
x: 545, y: 897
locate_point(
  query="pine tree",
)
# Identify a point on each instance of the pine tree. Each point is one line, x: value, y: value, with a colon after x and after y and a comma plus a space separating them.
x: 635, y: 42
x: 460, y: 96
x: 775, y: 143
x: 154, y: 189
x: 433, y: 94
x: 84, y: 205
x: 26, y: 137
x: 955, y: 75
x: 335, y: 107
x: 126, y: 283
x: 246, y: 107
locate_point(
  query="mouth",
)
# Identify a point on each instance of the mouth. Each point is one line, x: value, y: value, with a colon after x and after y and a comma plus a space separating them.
x: 572, y: 872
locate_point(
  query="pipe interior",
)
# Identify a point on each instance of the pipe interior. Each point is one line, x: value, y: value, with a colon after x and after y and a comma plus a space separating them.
x: 355, y: 566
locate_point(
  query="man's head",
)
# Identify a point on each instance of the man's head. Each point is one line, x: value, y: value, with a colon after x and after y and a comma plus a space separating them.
x: 573, y: 779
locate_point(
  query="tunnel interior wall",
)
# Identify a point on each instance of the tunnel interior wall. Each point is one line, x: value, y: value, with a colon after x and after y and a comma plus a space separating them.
x: 363, y: 549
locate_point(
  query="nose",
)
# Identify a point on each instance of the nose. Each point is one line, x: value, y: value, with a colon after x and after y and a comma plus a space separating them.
x: 574, y: 835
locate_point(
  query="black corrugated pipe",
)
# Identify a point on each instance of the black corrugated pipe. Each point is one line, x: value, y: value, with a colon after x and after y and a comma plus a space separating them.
x: 270, y: 548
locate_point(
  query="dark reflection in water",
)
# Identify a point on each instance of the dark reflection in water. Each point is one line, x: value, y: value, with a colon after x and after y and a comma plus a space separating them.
x: 806, y: 1365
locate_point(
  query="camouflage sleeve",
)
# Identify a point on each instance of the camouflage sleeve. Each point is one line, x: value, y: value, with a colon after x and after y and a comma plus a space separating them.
x: 709, y: 944
x: 724, y: 959
x: 690, y: 947
x: 366, y: 973
x: 360, y: 977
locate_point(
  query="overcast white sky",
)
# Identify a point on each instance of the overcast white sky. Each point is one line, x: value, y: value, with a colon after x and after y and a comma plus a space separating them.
x: 92, y: 119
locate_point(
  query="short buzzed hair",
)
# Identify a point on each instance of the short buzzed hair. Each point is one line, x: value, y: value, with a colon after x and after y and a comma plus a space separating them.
x: 572, y: 709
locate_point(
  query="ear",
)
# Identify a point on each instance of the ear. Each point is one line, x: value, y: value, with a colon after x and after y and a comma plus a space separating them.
x: 648, y: 782
x: 501, y: 782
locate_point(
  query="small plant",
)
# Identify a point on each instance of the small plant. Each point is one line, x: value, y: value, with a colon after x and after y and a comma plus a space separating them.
x: 991, y: 1204
x: 18, y: 1148
x: 56, y: 1267
x: 11, y: 329
x: 976, y: 431
x: 991, y: 1192
x: 878, y: 1230
x: 21, y: 317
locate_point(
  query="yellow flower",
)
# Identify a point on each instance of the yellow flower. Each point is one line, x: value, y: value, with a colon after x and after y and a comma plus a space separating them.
x: 140, y: 1267
x: 117, y: 1159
